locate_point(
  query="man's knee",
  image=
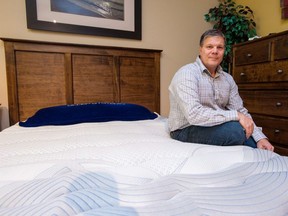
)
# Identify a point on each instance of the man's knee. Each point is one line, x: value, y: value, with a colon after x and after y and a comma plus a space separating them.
x: 235, y: 134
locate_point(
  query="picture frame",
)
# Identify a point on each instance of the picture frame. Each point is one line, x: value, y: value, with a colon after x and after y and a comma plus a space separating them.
x: 283, y: 3
x: 93, y: 21
x: 284, y: 9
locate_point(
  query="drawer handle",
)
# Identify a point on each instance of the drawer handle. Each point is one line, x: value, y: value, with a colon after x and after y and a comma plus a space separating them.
x: 279, y: 71
x: 277, y: 131
x: 249, y: 55
x: 278, y: 104
x: 242, y: 74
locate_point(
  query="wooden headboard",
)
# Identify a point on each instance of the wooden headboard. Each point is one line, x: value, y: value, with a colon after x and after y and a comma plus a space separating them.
x: 43, y: 74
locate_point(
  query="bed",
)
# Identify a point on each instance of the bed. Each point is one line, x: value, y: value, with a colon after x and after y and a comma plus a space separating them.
x: 90, y: 150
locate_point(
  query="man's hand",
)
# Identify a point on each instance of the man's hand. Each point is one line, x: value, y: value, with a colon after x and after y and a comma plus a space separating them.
x: 247, y: 123
x: 265, y: 144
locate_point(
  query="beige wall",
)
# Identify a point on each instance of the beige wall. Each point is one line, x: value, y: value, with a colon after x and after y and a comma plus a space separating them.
x: 267, y: 15
x: 169, y: 25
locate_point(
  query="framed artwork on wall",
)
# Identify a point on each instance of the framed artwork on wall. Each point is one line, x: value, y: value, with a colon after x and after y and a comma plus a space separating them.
x: 284, y: 8
x: 111, y: 18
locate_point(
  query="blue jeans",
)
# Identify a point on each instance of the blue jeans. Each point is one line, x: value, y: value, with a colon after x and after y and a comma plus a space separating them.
x: 226, y: 134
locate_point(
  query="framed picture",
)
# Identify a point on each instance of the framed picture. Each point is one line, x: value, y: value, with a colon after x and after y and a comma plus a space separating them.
x: 284, y: 8
x: 283, y: 3
x: 111, y: 18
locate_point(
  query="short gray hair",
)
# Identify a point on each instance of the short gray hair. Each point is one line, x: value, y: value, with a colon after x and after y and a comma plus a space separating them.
x: 210, y: 33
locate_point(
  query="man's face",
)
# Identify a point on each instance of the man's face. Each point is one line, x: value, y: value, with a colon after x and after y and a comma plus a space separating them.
x: 212, y: 52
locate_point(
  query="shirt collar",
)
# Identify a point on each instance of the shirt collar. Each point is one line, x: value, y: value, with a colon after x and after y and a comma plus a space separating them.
x: 204, y: 69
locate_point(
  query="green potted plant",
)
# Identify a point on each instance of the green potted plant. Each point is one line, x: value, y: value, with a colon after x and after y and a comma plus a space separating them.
x: 235, y: 21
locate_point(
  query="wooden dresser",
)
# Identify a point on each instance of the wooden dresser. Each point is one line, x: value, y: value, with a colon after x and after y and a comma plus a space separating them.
x: 260, y: 68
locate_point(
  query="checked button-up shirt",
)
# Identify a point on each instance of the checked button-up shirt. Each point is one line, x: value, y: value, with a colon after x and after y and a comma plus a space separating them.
x: 197, y: 98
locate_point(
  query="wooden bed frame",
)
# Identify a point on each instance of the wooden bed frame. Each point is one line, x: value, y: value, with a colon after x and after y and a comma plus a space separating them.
x: 42, y: 74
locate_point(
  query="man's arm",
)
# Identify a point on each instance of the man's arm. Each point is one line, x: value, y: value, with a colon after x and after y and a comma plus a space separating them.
x: 246, y: 120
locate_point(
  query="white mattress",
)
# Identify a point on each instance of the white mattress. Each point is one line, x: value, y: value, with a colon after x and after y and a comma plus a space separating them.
x: 134, y: 168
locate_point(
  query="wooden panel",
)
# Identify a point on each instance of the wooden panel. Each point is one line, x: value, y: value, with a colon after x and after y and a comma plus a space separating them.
x: 40, y: 81
x: 93, y: 79
x: 11, y: 82
x: 139, y: 91
x: 268, y: 86
x: 274, y: 128
x: 266, y: 102
x: 255, y: 53
x: 47, y: 74
x: 282, y: 150
x: 263, y: 85
x: 267, y: 72
x: 281, y: 48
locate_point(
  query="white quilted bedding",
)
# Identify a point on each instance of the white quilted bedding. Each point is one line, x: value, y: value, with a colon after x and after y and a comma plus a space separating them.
x: 134, y: 168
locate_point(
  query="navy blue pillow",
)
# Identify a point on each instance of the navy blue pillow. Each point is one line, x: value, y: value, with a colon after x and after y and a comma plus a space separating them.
x: 94, y: 112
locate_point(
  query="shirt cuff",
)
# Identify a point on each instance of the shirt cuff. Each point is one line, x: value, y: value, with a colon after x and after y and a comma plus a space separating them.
x: 258, y: 134
x: 231, y: 115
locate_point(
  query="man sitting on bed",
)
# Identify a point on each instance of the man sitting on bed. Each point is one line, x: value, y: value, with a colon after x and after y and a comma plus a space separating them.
x: 205, y: 106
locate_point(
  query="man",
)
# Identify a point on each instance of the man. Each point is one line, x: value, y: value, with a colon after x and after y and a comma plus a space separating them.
x: 205, y: 106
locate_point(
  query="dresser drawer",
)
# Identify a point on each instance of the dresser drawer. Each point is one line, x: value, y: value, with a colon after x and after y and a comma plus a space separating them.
x: 274, y: 128
x: 254, y: 53
x: 276, y: 71
x: 281, y: 48
x: 266, y: 102
x: 282, y: 150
